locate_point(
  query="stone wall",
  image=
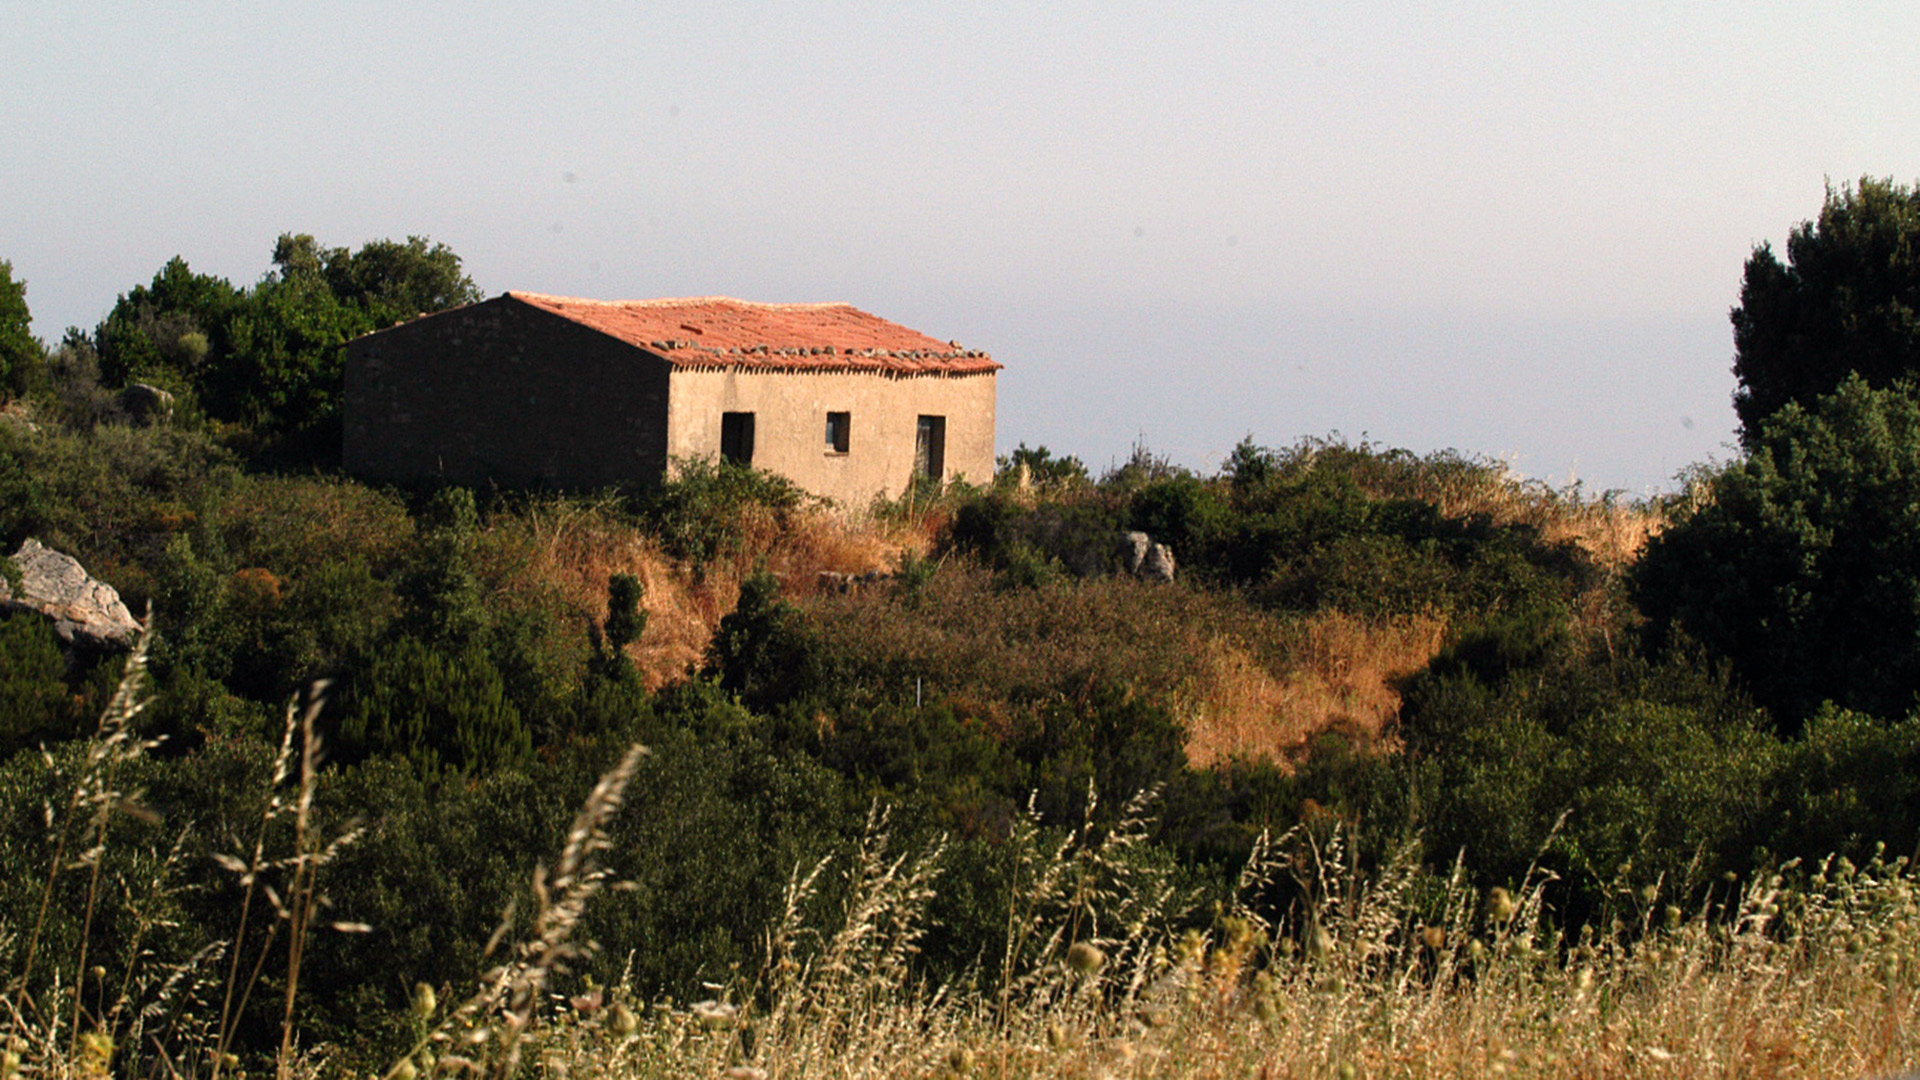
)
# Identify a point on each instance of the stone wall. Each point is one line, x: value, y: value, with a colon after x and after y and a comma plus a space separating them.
x: 502, y: 393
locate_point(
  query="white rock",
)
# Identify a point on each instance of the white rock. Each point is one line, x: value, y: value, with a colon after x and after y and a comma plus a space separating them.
x: 85, y: 612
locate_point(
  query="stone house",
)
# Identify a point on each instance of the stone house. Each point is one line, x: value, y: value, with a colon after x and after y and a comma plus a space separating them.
x: 528, y: 390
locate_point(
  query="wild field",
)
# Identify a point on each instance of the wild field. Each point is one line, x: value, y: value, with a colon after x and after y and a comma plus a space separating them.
x: 1389, y: 781
x: 1414, y: 768
x: 1391, y: 971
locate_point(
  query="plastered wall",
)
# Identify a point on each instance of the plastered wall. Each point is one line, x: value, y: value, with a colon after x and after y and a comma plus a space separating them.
x: 790, y: 422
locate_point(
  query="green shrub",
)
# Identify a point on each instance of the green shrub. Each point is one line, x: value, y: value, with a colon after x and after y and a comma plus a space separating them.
x: 1320, y: 525
x: 25, y: 502
x: 437, y: 706
x: 1660, y: 766
x: 1030, y: 544
x: 705, y: 509
x: 1040, y: 467
x: 1847, y: 784
x: 35, y: 703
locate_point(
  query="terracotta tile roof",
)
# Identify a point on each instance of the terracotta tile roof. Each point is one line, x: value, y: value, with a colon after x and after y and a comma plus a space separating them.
x: 719, y: 331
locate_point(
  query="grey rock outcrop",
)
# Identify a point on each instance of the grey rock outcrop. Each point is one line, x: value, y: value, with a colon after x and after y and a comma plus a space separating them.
x: 1145, y: 559
x: 86, y: 613
x: 834, y: 582
x: 1158, y: 565
x: 147, y: 404
x: 1134, y: 547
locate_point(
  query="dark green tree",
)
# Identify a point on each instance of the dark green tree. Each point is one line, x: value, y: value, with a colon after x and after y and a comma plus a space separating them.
x: 1846, y: 300
x: 174, y: 326
x: 436, y: 706
x: 290, y: 339
x: 20, y: 352
x: 759, y: 651
x: 289, y: 346
x: 1803, y: 565
x: 626, y: 621
x: 394, y: 281
x: 272, y: 357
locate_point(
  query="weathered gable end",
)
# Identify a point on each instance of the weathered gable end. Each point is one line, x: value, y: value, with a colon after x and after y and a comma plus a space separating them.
x: 502, y: 392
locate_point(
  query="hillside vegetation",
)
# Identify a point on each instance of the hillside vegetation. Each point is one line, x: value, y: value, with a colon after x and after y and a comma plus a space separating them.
x: 1415, y: 767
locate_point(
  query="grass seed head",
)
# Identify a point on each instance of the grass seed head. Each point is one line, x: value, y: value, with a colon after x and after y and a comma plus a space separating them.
x: 1085, y: 958
x: 1500, y: 905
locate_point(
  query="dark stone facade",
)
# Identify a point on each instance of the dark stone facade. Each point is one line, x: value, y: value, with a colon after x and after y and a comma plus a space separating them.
x: 503, y: 393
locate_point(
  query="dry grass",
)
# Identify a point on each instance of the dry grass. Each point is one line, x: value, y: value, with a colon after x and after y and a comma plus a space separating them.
x: 1338, y: 675
x: 1609, y: 529
x: 577, y: 546
x: 1775, y: 980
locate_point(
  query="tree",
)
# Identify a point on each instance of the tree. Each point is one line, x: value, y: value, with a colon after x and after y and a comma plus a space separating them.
x: 290, y: 339
x: 272, y: 358
x: 1847, y: 300
x: 174, y: 325
x: 1802, y: 568
x: 760, y: 651
x: 20, y: 351
x: 395, y: 281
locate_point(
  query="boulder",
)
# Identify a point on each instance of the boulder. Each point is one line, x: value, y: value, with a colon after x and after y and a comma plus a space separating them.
x: 86, y: 613
x: 146, y: 403
x: 1133, y: 550
x: 1158, y: 565
x: 15, y: 416
x: 832, y: 581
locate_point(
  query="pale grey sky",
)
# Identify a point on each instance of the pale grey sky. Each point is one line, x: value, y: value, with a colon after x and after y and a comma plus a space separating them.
x: 1510, y: 228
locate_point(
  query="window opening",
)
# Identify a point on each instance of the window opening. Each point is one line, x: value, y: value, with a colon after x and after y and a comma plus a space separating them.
x: 839, y: 432
x: 930, y: 448
x: 736, y: 437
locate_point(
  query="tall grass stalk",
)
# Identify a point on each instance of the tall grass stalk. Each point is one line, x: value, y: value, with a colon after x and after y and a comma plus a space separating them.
x: 1392, y: 972
x: 112, y: 743
x: 512, y: 993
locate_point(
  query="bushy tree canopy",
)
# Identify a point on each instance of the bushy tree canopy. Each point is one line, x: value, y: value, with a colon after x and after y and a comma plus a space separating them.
x: 20, y: 351
x: 271, y: 357
x: 1846, y: 300
x: 1803, y: 565
x: 177, y: 323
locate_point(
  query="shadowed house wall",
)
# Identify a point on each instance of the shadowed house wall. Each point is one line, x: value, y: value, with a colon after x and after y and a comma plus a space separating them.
x: 527, y: 390
x: 504, y: 393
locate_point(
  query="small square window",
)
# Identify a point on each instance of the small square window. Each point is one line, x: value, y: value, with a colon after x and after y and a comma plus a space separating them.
x: 839, y: 432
